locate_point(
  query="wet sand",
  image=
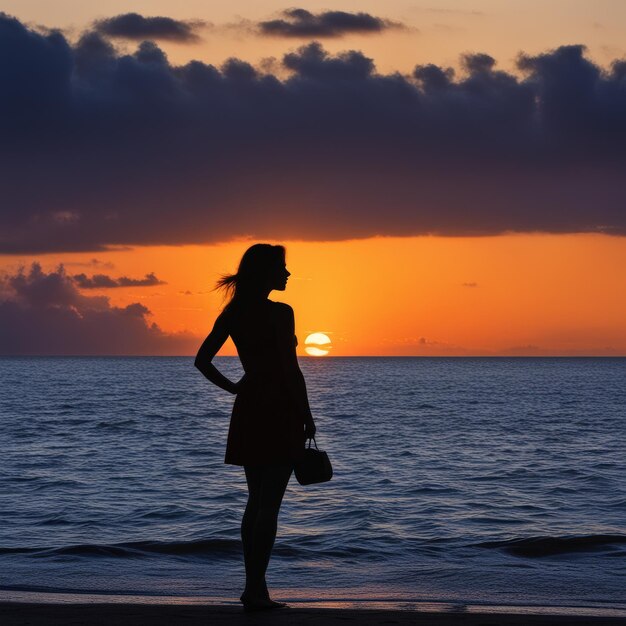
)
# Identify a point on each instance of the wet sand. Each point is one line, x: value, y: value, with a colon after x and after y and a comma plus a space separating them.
x: 22, y: 614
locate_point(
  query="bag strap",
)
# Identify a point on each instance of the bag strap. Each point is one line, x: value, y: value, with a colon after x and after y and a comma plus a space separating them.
x: 313, y: 440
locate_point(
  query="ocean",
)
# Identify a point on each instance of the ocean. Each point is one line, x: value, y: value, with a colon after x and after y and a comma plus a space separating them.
x: 492, y: 480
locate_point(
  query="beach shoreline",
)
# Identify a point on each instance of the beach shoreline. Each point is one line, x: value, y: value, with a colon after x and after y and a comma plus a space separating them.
x: 14, y: 613
x: 40, y: 607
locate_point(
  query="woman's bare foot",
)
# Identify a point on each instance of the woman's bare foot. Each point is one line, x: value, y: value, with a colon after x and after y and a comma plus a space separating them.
x: 260, y: 603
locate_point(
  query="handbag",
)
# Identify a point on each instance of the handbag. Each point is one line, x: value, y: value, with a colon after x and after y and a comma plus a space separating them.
x: 314, y: 466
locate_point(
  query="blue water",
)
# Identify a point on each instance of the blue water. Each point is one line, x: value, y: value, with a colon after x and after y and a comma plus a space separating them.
x: 492, y: 480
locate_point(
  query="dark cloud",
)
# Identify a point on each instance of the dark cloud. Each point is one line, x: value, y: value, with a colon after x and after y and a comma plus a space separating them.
x: 302, y: 23
x: 45, y: 313
x: 93, y: 263
x: 478, y: 63
x: 138, y: 27
x: 99, y: 281
x: 102, y: 149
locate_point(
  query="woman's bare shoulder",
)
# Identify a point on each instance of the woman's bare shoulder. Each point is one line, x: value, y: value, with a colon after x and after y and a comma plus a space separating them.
x: 284, y: 314
x: 282, y: 306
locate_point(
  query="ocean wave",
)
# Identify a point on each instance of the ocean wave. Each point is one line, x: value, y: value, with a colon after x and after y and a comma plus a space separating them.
x: 202, y: 547
x: 215, y: 548
x: 117, y: 424
x: 550, y: 546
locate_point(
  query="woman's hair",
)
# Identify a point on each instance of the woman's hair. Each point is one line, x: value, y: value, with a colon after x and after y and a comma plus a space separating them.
x: 257, y: 264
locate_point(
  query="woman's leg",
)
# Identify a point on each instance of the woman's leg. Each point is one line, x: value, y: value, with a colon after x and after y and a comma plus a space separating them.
x: 258, y: 529
x: 253, y: 478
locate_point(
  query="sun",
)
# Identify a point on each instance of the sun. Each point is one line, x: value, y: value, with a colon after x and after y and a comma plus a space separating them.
x: 317, y: 344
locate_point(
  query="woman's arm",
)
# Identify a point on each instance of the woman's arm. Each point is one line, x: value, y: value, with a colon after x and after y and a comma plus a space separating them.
x: 209, y: 348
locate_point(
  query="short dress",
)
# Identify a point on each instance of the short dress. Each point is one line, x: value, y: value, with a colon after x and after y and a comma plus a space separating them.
x: 266, y: 427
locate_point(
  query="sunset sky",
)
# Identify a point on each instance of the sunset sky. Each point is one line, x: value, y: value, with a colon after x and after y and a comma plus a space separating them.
x: 447, y: 176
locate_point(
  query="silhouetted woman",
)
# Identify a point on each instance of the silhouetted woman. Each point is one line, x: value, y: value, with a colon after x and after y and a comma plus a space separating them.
x: 271, y: 418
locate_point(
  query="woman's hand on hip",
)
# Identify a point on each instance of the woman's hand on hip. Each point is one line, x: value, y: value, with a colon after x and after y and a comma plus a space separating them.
x: 240, y: 385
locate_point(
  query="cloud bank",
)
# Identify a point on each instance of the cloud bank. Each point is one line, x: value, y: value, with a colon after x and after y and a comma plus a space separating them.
x: 45, y: 314
x: 101, y: 148
x: 137, y: 27
x: 302, y: 23
x: 100, y: 281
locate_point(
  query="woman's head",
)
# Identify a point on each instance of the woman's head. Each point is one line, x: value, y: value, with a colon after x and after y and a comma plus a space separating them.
x: 261, y: 269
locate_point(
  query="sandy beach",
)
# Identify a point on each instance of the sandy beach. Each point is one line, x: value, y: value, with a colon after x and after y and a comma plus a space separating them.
x: 22, y: 614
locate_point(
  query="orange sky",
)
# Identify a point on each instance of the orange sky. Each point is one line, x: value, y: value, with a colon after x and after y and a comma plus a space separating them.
x: 519, y: 294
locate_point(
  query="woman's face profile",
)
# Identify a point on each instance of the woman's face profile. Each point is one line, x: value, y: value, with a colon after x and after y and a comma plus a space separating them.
x: 279, y: 279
